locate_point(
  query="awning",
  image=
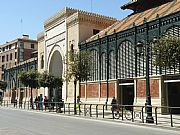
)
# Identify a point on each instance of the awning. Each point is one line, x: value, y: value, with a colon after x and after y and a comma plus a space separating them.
x: 126, y: 84
x: 169, y: 81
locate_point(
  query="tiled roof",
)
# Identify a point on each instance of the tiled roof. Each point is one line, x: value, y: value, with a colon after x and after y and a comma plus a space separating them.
x: 138, y: 18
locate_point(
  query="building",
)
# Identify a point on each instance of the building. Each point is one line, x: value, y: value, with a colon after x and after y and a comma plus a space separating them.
x: 15, y: 89
x: 119, y: 70
x: 62, y: 32
x: 11, y: 55
x: 16, y: 51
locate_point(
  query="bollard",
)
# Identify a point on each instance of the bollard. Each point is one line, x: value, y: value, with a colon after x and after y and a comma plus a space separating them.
x: 103, y: 110
x: 97, y: 111
x: 64, y: 108
x: 143, y: 114
x: 156, y: 115
x: 90, y: 110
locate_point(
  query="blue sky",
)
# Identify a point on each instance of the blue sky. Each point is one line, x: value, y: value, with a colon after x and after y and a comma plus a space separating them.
x: 27, y: 16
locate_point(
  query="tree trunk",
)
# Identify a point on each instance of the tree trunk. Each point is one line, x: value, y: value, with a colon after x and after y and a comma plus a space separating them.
x: 32, y: 106
x: 75, y: 82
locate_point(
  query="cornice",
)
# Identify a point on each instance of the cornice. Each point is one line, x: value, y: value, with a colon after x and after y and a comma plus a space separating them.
x: 82, y: 16
x: 65, y: 12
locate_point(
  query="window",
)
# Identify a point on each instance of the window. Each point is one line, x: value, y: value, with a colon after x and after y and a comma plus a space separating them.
x: 2, y: 67
x: 95, y: 31
x: 3, y: 49
x: 21, y: 56
x: 10, y: 47
x: 32, y: 46
x: 15, y: 55
x: 42, y: 62
x: 72, y: 52
x: 3, y: 57
x: 10, y: 56
x: 21, y: 45
x: 7, y: 57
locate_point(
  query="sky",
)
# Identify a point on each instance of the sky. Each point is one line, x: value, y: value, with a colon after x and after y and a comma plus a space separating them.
x: 18, y: 17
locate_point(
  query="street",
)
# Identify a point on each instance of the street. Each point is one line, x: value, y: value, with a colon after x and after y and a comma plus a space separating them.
x: 22, y: 122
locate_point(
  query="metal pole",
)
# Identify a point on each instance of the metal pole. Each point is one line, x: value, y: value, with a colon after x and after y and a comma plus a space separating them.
x: 149, y: 118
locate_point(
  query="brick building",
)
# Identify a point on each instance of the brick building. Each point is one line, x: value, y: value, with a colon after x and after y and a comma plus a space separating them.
x: 13, y: 53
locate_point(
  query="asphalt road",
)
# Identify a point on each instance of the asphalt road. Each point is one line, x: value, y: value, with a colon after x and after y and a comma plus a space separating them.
x: 17, y: 122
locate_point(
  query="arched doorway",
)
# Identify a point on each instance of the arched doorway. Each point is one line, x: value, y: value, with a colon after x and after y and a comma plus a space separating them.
x: 56, y: 69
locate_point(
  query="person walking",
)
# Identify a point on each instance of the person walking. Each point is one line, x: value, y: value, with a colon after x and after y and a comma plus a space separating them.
x: 78, y: 104
x: 114, y: 105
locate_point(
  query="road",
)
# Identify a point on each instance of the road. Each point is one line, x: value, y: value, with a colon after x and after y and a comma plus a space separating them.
x: 22, y: 122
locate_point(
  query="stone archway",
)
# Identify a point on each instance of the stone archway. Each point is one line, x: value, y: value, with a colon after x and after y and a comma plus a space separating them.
x: 56, y: 69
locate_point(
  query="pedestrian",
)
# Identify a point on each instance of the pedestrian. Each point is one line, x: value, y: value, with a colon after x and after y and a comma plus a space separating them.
x: 114, y: 105
x: 78, y: 103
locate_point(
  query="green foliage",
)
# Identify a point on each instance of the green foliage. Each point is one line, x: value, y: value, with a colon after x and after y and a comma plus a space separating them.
x: 166, y: 52
x: 43, y: 79
x: 50, y: 81
x: 3, y: 85
x: 79, y: 66
x: 29, y: 78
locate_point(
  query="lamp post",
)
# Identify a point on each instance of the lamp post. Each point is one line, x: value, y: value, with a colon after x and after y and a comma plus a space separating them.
x: 139, y: 47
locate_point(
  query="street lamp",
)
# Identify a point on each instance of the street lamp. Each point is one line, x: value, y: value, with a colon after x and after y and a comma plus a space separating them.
x: 139, y: 47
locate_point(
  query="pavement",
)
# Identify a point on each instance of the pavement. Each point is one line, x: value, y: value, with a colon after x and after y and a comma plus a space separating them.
x: 164, y: 121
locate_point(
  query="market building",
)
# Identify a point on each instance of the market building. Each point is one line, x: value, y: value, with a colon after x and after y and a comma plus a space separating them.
x: 119, y: 70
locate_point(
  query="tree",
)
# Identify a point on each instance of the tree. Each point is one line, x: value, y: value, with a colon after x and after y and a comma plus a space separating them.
x: 43, y: 80
x: 166, y: 52
x: 50, y: 81
x: 29, y: 78
x: 79, y: 68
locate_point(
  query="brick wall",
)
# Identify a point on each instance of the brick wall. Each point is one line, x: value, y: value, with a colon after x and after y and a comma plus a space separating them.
x: 111, y: 89
x: 103, y: 90
x: 154, y: 88
x: 92, y: 91
x: 82, y: 90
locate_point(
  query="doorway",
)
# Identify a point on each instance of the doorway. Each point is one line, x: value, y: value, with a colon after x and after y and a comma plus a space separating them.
x: 126, y: 92
x: 174, y: 96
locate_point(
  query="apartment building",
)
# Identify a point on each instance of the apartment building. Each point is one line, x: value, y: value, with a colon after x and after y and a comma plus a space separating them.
x: 16, y: 51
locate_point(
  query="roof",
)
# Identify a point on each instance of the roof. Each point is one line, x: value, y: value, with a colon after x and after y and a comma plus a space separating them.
x: 138, y: 19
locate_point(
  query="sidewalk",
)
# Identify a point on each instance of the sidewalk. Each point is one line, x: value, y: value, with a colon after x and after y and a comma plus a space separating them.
x: 163, y: 121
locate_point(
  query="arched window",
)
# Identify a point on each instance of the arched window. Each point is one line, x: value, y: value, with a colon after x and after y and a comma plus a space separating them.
x: 103, y: 66
x: 126, y: 60
x: 112, y: 65
x: 95, y: 63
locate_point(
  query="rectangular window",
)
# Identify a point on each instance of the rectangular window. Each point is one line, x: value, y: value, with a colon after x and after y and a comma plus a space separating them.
x: 21, y: 56
x: 15, y: 55
x: 3, y: 57
x: 2, y: 67
x: 10, y: 47
x: 7, y: 57
x: 21, y: 45
x: 32, y: 46
x: 10, y: 56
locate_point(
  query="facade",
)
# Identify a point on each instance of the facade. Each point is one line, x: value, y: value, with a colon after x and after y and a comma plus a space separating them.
x: 12, y: 55
x: 62, y: 33
x: 15, y: 89
x: 16, y: 51
x: 119, y: 70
